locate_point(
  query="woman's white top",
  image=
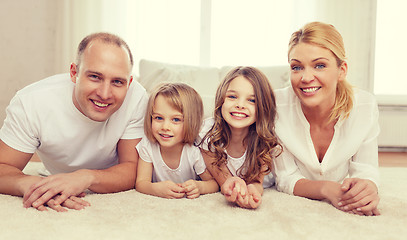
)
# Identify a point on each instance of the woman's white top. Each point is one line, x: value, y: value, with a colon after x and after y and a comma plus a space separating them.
x: 191, y: 163
x: 353, y: 151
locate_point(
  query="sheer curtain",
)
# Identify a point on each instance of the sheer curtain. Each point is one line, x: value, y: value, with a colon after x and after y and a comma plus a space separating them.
x: 216, y: 33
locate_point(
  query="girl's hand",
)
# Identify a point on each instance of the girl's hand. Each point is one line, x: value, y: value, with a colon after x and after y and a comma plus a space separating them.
x: 360, y: 196
x: 191, y: 189
x: 169, y: 189
x: 252, y: 199
x: 233, y: 188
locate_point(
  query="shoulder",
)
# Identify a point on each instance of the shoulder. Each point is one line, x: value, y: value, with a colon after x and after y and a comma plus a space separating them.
x: 59, y: 81
x: 363, y: 97
x: 365, y: 103
x: 136, y: 90
x: 192, y: 150
x: 365, y: 110
x: 284, y: 96
x: 146, y: 149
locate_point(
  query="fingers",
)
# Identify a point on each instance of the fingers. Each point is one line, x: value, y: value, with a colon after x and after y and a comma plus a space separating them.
x: 232, y: 196
x: 376, y: 212
x: 75, y: 203
x: 33, y: 194
x: 346, y: 185
x: 56, y: 207
x: 191, y: 189
x: 39, y: 197
x: 254, y: 202
x: 72, y: 202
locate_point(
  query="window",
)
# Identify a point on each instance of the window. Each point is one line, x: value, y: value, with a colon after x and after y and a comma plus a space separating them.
x: 212, y: 33
x: 391, y: 48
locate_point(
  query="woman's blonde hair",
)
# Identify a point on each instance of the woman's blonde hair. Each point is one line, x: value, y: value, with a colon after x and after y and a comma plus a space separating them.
x: 261, y: 140
x: 184, y: 99
x: 326, y: 36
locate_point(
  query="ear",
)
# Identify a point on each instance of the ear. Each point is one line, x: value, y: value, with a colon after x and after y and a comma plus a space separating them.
x: 73, y: 72
x: 130, y: 80
x: 343, y: 71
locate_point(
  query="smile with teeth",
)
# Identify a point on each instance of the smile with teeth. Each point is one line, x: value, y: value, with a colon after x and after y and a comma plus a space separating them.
x: 99, y: 104
x: 165, y: 135
x: 237, y: 114
x: 310, y: 90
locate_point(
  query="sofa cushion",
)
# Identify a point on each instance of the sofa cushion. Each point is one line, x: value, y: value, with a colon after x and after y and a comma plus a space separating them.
x: 204, y: 80
x: 278, y: 76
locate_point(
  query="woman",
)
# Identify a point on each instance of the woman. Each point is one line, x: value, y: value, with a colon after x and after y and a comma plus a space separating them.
x: 328, y: 129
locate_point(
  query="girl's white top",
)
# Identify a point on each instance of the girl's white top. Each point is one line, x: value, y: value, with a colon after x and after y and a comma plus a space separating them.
x: 191, y: 163
x: 233, y: 164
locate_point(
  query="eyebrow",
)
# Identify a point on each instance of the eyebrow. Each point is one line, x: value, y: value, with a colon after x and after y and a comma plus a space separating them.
x: 314, y: 60
x: 234, y: 91
x: 101, y: 74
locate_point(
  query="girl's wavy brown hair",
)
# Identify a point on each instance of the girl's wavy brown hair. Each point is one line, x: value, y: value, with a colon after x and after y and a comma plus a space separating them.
x: 261, y: 141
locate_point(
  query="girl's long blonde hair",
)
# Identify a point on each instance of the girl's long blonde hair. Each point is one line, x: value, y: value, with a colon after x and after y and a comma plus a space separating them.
x: 261, y: 141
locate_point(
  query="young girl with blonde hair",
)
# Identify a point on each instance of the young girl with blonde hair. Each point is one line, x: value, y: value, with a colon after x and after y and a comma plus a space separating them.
x: 170, y: 165
x: 240, y: 143
x: 327, y: 128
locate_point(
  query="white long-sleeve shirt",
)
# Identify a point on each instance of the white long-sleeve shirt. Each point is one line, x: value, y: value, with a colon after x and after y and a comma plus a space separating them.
x: 352, y: 152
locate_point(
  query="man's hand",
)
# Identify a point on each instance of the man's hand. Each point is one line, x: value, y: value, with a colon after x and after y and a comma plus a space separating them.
x: 56, y: 189
x: 72, y: 202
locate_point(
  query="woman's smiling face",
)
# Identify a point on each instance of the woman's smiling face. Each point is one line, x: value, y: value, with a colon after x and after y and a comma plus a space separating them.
x: 315, y: 75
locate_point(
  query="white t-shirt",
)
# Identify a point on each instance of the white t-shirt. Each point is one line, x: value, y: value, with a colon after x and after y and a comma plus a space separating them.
x: 353, y: 150
x: 42, y: 117
x: 191, y: 164
x: 233, y: 164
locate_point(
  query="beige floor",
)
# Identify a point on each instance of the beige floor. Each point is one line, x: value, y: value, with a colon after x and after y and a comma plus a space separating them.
x: 393, y: 159
x: 386, y: 159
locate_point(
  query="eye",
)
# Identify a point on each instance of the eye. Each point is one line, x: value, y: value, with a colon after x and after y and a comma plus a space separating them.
x: 118, y: 83
x: 157, y: 118
x: 93, y: 77
x: 177, y: 120
x: 320, y: 66
x: 231, y: 96
x: 296, y: 67
x: 252, y: 100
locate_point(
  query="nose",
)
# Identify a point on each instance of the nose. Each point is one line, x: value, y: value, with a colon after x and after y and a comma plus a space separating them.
x: 240, y: 103
x: 165, y: 125
x: 104, y: 90
x: 307, y: 75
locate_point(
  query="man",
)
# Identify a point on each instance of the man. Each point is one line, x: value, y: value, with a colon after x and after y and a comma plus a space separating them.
x: 84, y: 128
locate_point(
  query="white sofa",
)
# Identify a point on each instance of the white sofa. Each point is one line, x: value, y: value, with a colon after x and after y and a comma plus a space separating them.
x: 204, y: 80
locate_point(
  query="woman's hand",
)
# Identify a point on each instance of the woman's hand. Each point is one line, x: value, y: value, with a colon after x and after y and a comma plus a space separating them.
x: 359, y: 196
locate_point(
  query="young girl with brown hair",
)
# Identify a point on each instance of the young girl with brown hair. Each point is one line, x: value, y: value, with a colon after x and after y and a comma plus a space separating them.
x: 240, y: 143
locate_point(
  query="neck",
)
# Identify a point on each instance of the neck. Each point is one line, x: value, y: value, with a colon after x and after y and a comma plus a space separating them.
x: 237, y: 146
x: 173, y: 152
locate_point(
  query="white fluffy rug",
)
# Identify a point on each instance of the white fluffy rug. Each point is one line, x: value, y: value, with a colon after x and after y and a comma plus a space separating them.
x: 132, y: 215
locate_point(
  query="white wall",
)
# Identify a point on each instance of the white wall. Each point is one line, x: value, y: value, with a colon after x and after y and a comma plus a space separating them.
x: 27, y: 45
